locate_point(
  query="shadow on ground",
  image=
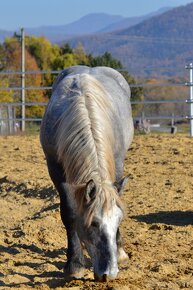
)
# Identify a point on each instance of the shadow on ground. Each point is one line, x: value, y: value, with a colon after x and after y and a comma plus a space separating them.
x: 176, y: 218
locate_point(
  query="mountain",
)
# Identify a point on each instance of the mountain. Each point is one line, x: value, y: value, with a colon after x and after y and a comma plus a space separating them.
x: 160, y: 44
x: 131, y: 21
x: 89, y: 24
x: 165, y: 40
x: 174, y: 23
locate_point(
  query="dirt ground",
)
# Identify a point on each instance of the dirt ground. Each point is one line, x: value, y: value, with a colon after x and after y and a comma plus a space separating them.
x: 157, y: 229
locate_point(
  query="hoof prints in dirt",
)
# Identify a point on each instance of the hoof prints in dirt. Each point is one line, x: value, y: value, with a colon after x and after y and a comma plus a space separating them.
x: 157, y: 229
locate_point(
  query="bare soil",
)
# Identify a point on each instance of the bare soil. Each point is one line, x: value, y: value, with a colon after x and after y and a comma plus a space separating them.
x: 157, y: 229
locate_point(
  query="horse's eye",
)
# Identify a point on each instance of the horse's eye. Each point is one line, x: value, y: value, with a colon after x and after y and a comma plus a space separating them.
x: 95, y: 224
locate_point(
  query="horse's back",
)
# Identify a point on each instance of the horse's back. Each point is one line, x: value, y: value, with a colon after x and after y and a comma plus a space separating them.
x: 68, y: 86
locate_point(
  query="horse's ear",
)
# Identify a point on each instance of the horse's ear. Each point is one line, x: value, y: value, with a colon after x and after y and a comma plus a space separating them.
x: 121, y: 184
x: 90, y: 191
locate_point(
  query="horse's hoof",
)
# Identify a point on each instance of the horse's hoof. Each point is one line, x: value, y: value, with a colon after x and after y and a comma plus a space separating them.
x: 122, y: 257
x: 76, y: 274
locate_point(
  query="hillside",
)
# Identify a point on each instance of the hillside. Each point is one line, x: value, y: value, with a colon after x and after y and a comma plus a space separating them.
x: 89, y: 24
x: 176, y: 23
x: 164, y: 40
x: 131, y: 21
x: 159, y: 40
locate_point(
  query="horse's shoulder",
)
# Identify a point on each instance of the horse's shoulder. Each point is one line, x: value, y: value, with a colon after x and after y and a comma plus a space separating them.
x: 98, y: 72
x: 71, y: 71
x: 113, y: 74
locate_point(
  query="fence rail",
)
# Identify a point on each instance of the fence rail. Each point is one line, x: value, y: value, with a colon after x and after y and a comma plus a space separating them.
x: 10, y: 119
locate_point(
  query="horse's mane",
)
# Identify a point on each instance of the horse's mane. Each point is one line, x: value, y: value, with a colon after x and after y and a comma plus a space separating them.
x: 84, y: 134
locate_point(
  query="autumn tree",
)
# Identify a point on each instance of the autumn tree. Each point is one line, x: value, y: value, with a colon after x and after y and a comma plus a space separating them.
x: 42, y: 50
x: 41, y: 54
x: 80, y: 55
x: 5, y: 95
x: 12, y: 53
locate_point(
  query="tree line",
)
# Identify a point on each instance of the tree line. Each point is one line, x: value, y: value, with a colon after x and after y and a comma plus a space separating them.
x: 41, y: 54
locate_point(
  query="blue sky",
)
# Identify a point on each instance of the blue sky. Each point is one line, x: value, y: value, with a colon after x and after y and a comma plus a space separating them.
x: 26, y: 13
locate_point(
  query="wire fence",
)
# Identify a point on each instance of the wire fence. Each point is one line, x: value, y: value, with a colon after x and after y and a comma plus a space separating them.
x: 10, y: 123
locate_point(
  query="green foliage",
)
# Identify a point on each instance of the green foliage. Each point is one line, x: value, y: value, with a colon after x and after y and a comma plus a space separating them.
x: 105, y: 60
x: 69, y: 57
x: 63, y: 61
x: 80, y: 55
x: 66, y: 49
x: 44, y: 53
x: 42, y: 50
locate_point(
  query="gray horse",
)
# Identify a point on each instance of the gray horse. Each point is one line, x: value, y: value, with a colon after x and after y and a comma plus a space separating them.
x: 85, y: 134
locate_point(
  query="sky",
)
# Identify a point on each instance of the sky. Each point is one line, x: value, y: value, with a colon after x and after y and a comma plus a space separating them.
x: 16, y: 14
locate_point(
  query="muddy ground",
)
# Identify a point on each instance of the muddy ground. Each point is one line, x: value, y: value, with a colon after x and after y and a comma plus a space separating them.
x: 157, y: 229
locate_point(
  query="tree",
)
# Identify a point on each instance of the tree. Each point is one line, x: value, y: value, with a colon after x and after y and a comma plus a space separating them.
x: 105, y: 60
x: 65, y: 48
x: 12, y: 53
x: 41, y: 54
x: 42, y: 50
x: 63, y: 61
x: 80, y: 55
x: 45, y: 54
x: 7, y: 95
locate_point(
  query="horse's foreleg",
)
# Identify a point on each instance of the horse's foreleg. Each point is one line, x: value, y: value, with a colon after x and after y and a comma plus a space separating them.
x: 75, y: 259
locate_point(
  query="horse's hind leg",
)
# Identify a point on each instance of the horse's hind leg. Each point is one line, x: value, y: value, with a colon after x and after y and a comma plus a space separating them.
x: 75, y: 259
x: 122, y: 256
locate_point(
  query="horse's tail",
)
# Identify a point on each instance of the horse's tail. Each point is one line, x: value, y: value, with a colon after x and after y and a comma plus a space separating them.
x: 84, y: 133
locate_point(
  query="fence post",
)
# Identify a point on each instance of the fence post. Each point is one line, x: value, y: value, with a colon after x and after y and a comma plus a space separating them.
x: 23, y: 80
x: 190, y: 67
x: 10, y: 119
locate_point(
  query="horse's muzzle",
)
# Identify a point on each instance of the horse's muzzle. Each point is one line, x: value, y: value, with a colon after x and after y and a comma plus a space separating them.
x: 104, y: 277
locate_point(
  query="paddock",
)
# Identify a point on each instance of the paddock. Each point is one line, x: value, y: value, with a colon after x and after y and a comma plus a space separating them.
x: 157, y: 228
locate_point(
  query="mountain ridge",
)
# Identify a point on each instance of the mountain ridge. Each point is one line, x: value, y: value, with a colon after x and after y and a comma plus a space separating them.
x: 132, y: 21
x: 88, y: 24
x: 162, y: 40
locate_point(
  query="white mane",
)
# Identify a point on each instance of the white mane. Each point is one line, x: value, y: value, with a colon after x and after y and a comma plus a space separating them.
x: 84, y: 135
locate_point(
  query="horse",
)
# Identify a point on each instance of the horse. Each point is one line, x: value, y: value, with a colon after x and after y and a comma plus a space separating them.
x: 85, y: 133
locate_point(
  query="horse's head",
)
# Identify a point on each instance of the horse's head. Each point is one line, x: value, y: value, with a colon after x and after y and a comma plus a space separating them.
x: 100, y: 214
